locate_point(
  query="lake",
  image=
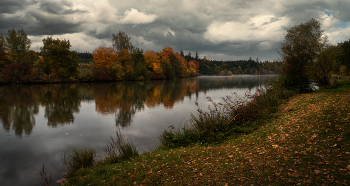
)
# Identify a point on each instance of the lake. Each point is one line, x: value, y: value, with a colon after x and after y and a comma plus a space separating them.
x: 40, y: 122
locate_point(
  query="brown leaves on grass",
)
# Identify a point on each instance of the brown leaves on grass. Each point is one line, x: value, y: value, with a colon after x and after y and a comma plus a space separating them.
x: 296, y: 148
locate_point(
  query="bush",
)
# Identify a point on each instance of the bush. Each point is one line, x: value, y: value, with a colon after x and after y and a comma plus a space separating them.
x: 85, y: 74
x: 101, y: 74
x: 18, y: 73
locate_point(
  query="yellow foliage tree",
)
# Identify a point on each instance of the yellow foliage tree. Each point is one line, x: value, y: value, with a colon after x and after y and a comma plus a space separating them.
x: 152, y: 61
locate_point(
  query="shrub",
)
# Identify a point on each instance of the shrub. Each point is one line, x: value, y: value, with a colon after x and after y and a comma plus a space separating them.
x: 101, y: 74
x: 85, y: 74
x: 17, y: 73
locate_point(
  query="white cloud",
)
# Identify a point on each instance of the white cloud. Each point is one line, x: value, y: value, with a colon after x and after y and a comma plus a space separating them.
x: 133, y: 16
x: 79, y: 41
x: 336, y: 35
x: 104, y: 12
x: 264, y: 46
x: 257, y: 28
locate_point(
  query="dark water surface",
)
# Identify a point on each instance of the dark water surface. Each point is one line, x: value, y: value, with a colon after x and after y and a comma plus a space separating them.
x: 39, y: 122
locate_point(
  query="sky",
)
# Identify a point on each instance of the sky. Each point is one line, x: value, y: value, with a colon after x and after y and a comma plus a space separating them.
x: 221, y: 30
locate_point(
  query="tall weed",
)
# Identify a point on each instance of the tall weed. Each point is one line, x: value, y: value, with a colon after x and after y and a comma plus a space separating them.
x: 119, y: 150
x: 75, y: 159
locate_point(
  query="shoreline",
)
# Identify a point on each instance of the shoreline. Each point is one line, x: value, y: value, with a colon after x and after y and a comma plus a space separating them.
x: 305, y: 142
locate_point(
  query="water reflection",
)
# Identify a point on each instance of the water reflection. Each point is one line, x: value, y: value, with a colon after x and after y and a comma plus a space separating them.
x: 60, y: 102
x: 20, y: 103
x: 17, y: 109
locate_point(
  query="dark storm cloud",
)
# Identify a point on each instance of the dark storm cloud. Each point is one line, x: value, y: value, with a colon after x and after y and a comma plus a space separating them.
x: 49, y: 19
x: 227, y: 28
x: 60, y: 8
x: 50, y: 25
x: 11, y: 6
x: 341, y: 10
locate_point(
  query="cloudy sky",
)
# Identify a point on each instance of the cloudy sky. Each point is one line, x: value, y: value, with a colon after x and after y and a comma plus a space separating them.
x: 223, y: 30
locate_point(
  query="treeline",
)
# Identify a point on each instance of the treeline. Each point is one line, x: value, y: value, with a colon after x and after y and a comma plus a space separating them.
x: 213, y: 67
x: 57, y: 63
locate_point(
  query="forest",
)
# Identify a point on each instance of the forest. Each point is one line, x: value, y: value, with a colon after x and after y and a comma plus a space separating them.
x: 56, y: 62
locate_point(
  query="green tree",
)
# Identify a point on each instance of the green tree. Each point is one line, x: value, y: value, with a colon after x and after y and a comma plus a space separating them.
x: 239, y: 70
x: 3, y: 54
x: 345, y: 56
x: 182, y: 53
x: 122, y: 41
x: 18, y: 45
x: 321, y: 69
x: 56, y: 55
x: 300, y: 47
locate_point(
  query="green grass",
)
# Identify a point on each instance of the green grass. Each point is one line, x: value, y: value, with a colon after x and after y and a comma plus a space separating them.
x: 306, y: 142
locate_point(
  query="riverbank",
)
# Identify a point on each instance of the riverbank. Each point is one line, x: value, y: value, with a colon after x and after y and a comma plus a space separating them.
x: 305, y: 143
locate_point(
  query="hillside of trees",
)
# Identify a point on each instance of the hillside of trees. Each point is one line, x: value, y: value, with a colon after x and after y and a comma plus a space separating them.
x: 57, y: 63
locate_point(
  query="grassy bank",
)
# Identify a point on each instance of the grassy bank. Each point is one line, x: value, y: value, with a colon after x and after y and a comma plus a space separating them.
x: 304, y: 143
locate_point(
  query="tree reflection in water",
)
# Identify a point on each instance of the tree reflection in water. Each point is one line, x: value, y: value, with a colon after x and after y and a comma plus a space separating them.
x: 18, y: 107
x: 20, y: 103
x: 60, y: 102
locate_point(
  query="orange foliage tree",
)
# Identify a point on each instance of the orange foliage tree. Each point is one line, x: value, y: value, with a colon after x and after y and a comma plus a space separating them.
x: 180, y: 65
x: 194, y: 67
x: 167, y: 54
x: 105, y: 57
x: 176, y: 60
x: 153, y: 64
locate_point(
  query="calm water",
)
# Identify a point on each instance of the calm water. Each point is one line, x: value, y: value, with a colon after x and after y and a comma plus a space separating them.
x: 39, y: 122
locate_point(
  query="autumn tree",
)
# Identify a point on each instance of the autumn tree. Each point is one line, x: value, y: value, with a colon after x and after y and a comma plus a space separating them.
x: 194, y: 67
x: 105, y: 56
x: 153, y: 64
x: 179, y: 65
x: 168, y: 54
x: 18, y: 45
x: 300, y: 47
x: 57, y: 58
